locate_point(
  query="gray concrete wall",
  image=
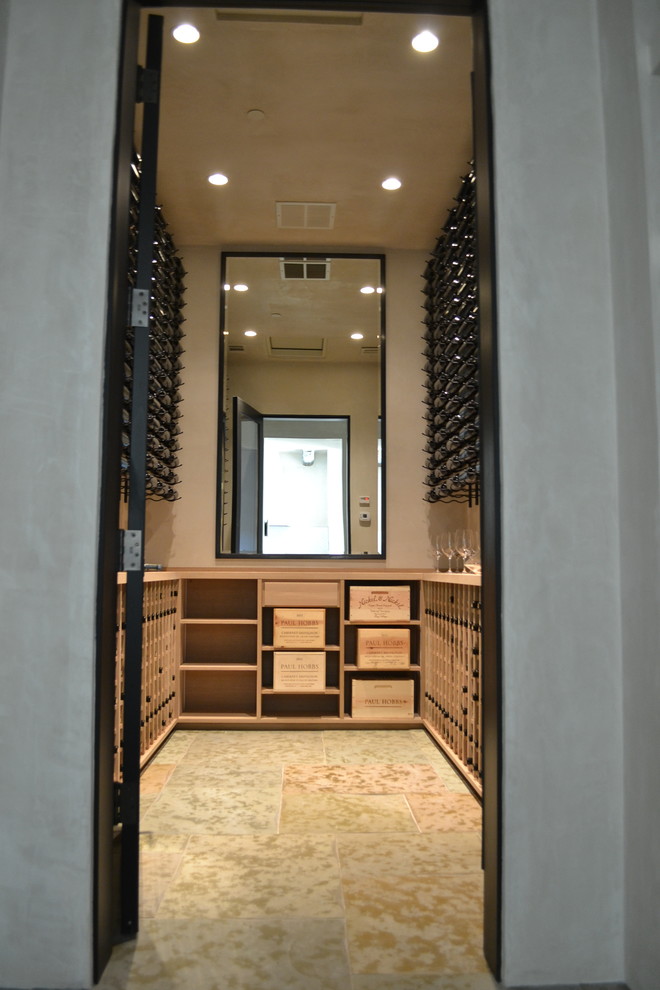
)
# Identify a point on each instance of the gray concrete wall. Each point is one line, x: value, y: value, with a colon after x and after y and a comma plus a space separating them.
x: 56, y: 138
x: 563, y: 773
x: 630, y: 52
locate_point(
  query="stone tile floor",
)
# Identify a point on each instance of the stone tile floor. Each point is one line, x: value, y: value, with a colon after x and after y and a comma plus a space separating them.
x: 306, y: 860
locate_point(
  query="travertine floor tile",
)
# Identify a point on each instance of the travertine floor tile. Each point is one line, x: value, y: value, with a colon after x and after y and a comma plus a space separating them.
x: 372, y: 746
x: 476, y: 981
x: 203, y: 801
x: 428, y: 925
x: 323, y: 813
x: 160, y: 858
x: 256, y: 876
x: 154, y: 778
x: 269, y: 857
x: 409, y: 856
x: 241, y: 954
x: 174, y: 747
x: 447, y: 813
x: 250, y: 750
x: 345, y: 778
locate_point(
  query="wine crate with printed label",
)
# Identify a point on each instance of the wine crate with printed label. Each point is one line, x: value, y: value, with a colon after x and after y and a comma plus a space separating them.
x: 383, y: 649
x: 383, y: 698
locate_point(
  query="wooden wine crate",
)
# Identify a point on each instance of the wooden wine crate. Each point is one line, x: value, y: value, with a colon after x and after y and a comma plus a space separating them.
x: 383, y: 649
x: 298, y: 628
x: 383, y: 698
x: 389, y: 603
x: 298, y: 672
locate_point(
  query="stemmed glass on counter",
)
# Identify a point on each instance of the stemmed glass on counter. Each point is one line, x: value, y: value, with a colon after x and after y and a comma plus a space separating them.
x: 445, y: 546
x: 462, y: 543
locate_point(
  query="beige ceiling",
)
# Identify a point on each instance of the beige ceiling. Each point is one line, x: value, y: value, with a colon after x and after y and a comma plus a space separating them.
x: 344, y: 106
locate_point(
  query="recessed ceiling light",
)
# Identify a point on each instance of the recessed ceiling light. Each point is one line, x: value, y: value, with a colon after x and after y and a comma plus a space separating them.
x: 425, y: 42
x: 367, y: 290
x: 357, y: 336
x: 187, y: 34
x: 226, y: 333
x: 226, y: 286
x: 240, y: 287
x: 379, y: 290
x: 218, y: 179
x: 255, y: 114
x: 391, y: 183
x: 250, y: 333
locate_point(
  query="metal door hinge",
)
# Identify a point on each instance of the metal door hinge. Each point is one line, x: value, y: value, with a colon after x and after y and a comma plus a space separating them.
x: 130, y: 549
x: 139, y: 308
x: 116, y: 803
x: 148, y: 84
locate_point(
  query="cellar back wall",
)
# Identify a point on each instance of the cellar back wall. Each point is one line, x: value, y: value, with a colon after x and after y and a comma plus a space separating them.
x: 182, y: 533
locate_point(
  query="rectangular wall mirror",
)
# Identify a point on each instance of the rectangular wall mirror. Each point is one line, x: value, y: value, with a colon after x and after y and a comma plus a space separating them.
x: 301, y: 406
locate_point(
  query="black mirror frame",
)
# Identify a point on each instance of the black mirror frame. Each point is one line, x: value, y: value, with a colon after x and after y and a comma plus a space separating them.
x: 221, y: 444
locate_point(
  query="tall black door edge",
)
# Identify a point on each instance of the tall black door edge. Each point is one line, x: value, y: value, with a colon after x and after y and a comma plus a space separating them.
x: 103, y: 881
x: 490, y: 488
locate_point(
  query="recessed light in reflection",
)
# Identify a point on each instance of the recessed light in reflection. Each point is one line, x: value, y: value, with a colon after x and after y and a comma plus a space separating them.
x: 250, y: 333
x: 366, y: 290
x: 357, y: 336
x: 240, y: 287
x: 218, y: 179
x: 391, y: 183
x: 187, y: 34
x: 426, y: 41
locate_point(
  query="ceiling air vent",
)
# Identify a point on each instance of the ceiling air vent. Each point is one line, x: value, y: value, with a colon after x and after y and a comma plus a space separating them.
x: 369, y: 351
x: 236, y: 347
x: 306, y: 216
x: 316, y: 269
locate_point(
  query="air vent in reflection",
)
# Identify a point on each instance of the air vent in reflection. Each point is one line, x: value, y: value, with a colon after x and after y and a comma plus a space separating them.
x: 305, y: 269
x: 296, y: 347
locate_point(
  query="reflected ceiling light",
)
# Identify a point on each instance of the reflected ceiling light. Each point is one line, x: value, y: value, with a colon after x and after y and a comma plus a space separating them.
x: 250, y: 333
x: 226, y: 287
x: 379, y: 290
x: 226, y: 333
x: 187, y: 34
x: 240, y: 287
x: 391, y: 183
x: 218, y: 179
x: 367, y: 290
x: 425, y: 42
x: 357, y: 336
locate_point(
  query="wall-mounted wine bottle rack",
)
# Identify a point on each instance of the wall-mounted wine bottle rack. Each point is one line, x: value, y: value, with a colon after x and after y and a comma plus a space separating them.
x: 165, y: 351
x: 452, y: 357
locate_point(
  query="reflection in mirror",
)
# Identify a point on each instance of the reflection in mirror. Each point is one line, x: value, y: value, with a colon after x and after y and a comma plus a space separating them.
x: 300, y: 406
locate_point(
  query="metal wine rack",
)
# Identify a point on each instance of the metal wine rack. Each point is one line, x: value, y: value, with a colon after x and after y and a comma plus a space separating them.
x: 165, y: 351
x: 452, y: 362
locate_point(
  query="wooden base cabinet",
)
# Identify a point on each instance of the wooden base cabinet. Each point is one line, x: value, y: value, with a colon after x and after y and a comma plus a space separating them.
x: 310, y: 649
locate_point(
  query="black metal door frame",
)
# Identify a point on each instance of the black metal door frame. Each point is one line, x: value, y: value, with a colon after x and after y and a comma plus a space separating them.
x: 490, y: 455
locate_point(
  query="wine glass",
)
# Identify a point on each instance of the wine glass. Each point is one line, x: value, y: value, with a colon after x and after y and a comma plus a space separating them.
x: 464, y: 544
x: 474, y: 565
x: 448, y: 545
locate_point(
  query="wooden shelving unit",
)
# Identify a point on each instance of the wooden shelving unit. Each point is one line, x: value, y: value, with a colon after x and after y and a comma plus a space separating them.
x: 219, y: 660
x: 209, y: 655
